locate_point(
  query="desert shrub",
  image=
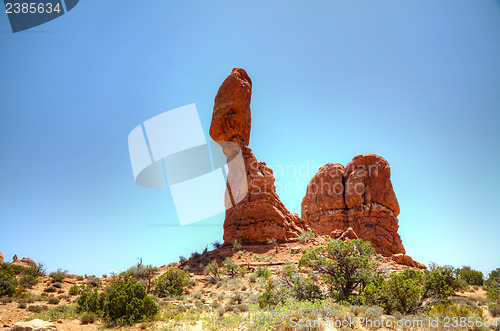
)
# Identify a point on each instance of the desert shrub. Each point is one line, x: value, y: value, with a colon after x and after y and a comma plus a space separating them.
x: 8, y: 283
x: 74, y: 290
x: 272, y: 295
x: 195, y: 255
x: 12, y: 269
x: 301, y: 288
x: 170, y: 283
x: 216, y: 244
x: 88, y: 318
x: 187, y: 268
x: 252, y: 278
x: 182, y: 259
x: 5, y: 300
x: 213, y: 272
x: 237, y: 298
x: 36, y: 309
x: 53, y: 300
x: 220, y: 311
x: 59, y: 275
x: 439, y: 284
x: 304, y: 236
x: 143, y: 274
x: 236, y: 245
x: 93, y: 281
x: 78, y: 277
x: 28, y: 281
x: 23, y: 304
x: 263, y: 271
x: 471, y: 276
x: 57, y: 312
x: 494, y: 309
x: 493, y: 285
x: 404, y: 291
x: 289, y: 284
x: 50, y: 289
x: 346, y: 266
x: 57, y: 285
x: 231, y: 268
x: 37, y: 270
x: 125, y: 302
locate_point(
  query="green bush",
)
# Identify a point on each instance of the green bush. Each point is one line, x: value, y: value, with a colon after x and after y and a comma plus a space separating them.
x: 263, y: 271
x: 8, y: 283
x: 50, y: 289
x: 22, y: 304
x: 407, y: 291
x: 231, y: 268
x: 493, y: 285
x: 216, y: 244
x: 93, y: 281
x: 124, y: 302
x: 75, y: 290
x: 304, y: 236
x: 213, y: 272
x: 143, y: 273
x: 170, y: 283
x: 494, y: 309
x: 470, y: 276
x: 346, y: 266
x: 59, y: 275
x: 404, y: 291
x: 53, y: 300
x: 236, y: 245
x: 28, y: 281
x: 88, y: 318
x: 37, y: 309
x: 289, y: 284
x: 440, y: 283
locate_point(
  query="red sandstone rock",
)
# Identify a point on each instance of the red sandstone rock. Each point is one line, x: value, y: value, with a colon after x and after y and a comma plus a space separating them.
x: 1, y: 257
x: 259, y: 215
x: 24, y: 262
x: 231, y: 119
x: 348, y: 234
x: 368, y: 180
x: 361, y: 198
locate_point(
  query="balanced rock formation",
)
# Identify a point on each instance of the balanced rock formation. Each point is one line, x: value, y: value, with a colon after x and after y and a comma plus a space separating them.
x: 24, y: 262
x: 355, y: 201
x: 254, y: 212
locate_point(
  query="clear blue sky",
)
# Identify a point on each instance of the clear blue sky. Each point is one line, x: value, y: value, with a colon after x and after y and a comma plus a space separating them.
x: 417, y: 82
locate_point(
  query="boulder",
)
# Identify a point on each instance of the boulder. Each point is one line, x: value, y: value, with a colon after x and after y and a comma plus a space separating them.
x: 254, y: 212
x: 33, y: 325
x: 368, y: 180
x: 348, y: 234
x: 359, y: 196
x: 231, y: 119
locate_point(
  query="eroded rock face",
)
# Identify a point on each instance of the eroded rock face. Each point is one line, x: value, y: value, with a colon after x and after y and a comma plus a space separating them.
x: 358, y: 197
x: 259, y: 215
